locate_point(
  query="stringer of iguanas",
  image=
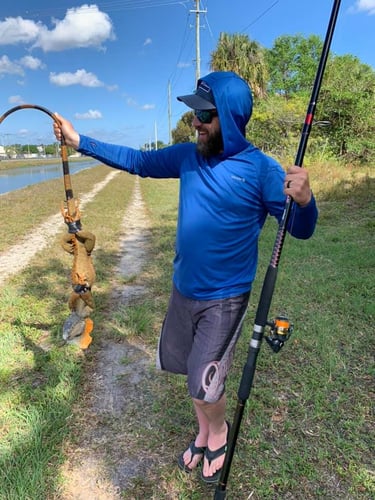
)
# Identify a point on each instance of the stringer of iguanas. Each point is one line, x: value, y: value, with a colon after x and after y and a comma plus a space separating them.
x: 80, y: 244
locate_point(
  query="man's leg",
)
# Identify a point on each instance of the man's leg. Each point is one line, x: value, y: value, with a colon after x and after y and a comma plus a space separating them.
x: 217, y: 331
x: 198, y: 339
x: 211, y: 419
x: 212, y: 433
x: 201, y: 439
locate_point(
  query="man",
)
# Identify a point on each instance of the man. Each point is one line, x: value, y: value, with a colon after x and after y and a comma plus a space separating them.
x: 227, y: 189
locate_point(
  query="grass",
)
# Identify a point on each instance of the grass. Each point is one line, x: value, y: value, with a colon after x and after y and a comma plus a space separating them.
x: 308, y: 428
x: 22, y: 163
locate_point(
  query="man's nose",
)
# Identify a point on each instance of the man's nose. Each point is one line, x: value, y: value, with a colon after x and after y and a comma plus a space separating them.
x: 196, y: 122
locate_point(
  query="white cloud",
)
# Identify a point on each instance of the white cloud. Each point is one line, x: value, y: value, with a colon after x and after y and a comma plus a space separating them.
x: 183, y: 65
x: 365, y: 6
x: 16, y: 67
x: 91, y: 114
x: 130, y: 101
x: 112, y: 88
x: 148, y: 41
x: 31, y: 62
x: 80, y: 77
x: 15, y: 99
x: 84, y: 26
x: 18, y: 30
x: 10, y: 68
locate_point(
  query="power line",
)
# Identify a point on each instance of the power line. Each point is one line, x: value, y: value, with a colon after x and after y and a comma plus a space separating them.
x: 111, y: 6
x: 260, y: 16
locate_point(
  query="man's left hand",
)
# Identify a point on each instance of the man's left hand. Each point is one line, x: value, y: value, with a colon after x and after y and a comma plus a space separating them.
x: 297, y: 185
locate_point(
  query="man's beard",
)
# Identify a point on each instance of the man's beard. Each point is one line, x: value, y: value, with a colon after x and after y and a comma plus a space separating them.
x: 212, y: 147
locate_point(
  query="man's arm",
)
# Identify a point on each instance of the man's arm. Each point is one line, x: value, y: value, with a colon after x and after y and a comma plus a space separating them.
x: 302, y: 219
x: 164, y: 163
x: 304, y: 213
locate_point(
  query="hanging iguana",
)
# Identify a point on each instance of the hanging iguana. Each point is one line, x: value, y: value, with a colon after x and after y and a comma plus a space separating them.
x: 80, y: 244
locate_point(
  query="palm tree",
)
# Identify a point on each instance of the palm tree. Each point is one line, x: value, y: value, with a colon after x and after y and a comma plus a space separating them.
x: 243, y: 56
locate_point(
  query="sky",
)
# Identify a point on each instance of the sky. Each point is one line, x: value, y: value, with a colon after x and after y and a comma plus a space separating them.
x: 114, y: 68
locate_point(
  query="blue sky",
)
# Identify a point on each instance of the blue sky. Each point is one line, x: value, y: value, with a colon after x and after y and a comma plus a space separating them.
x: 110, y: 66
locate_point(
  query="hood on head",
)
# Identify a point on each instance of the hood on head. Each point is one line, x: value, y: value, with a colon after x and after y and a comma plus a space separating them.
x: 232, y: 97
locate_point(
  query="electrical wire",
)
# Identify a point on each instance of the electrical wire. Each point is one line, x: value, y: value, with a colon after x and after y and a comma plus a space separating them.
x: 260, y: 16
x: 111, y: 6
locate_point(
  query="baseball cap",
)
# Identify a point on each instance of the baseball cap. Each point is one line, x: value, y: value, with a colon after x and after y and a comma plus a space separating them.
x: 202, y: 98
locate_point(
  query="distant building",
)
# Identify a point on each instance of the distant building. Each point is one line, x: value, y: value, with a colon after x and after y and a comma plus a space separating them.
x: 3, y: 153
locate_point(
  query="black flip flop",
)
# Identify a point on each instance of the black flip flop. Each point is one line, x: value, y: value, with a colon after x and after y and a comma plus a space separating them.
x: 194, y: 450
x: 212, y: 455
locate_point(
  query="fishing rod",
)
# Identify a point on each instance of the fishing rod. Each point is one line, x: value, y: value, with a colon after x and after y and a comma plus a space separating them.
x: 280, y: 327
x: 71, y: 208
x: 78, y: 326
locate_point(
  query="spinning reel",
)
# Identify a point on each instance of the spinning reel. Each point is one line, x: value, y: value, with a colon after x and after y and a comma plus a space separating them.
x: 280, y: 331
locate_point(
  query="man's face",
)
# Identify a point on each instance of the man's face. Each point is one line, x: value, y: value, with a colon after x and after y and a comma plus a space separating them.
x: 210, y: 140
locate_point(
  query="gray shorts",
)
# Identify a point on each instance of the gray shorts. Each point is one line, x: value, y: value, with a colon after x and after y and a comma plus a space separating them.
x: 198, y: 339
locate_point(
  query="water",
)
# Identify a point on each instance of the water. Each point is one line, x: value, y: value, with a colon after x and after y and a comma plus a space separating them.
x: 17, y: 178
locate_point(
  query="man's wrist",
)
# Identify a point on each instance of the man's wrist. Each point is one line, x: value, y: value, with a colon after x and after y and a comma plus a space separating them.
x: 305, y: 203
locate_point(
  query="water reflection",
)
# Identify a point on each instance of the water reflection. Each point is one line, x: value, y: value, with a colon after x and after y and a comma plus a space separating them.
x: 17, y: 178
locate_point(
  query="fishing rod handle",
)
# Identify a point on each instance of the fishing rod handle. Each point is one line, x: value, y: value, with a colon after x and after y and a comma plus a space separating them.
x: 63, y: 148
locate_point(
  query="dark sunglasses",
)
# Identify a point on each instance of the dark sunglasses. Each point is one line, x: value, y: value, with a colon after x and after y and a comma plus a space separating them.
x: 205, y: 115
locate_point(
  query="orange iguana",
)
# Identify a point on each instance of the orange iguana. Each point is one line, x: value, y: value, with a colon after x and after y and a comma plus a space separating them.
x: 78, y: 325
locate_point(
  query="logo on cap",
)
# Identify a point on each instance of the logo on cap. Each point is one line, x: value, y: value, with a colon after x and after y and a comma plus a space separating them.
x: 203, y: 86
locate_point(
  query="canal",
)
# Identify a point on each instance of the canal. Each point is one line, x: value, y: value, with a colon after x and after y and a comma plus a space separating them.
x: 20, y: 177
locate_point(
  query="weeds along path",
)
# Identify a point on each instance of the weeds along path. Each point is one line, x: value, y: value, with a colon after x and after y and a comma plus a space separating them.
x: 105, y: 456
x: 18, y: 256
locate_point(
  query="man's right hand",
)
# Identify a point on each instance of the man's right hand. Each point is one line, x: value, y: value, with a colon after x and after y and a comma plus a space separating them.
x: 63, y: 127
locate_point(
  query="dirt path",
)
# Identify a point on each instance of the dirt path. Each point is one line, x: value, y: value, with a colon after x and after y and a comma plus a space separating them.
x: 102, y: 464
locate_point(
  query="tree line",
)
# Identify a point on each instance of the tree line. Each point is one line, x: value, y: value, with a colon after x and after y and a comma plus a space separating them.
x: 281, y: 79
x: 27, y: 150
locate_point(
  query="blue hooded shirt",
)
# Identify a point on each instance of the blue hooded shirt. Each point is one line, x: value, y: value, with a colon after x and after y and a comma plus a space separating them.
x: 223, y: 201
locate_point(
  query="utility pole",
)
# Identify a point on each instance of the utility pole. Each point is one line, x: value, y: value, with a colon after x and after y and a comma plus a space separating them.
x: 197, y: 12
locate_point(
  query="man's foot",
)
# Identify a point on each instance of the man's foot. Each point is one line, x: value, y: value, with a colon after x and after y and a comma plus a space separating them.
x: 189, y: 460
x: 215, y: 461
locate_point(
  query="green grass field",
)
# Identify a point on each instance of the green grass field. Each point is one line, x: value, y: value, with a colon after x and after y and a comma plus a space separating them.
x: 308, y: 427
